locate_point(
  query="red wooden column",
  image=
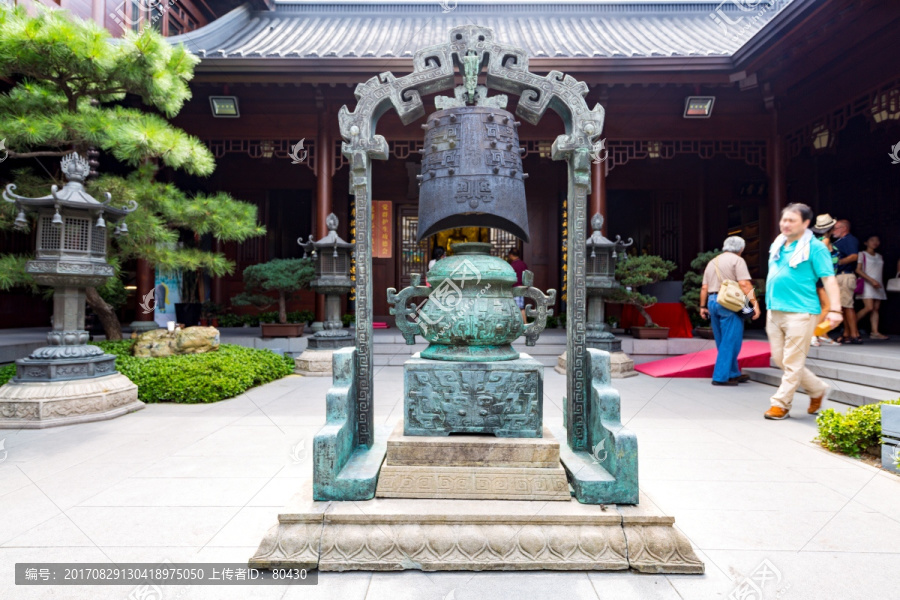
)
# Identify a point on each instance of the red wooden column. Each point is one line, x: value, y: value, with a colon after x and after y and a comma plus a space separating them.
x: 598, y: 193
x: 144, y: 277
x: 324, y: 206
x: 777, y: 183
x: 217, y: 281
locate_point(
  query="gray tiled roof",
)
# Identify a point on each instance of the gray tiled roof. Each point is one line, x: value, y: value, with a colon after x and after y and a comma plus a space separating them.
x: 547, y: 29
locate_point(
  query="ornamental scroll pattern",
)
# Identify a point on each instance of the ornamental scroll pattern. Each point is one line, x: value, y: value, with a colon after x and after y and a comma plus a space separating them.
x: 253, y: 149
x: 506, y: 69
x: 752, y: 152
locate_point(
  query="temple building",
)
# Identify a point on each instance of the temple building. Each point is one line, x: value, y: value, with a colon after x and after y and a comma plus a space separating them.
x: 718, y: 114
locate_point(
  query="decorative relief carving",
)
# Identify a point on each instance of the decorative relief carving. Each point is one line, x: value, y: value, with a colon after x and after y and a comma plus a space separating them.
x: 472, y: 546
x: 473, y: 483
x: 441, y: 401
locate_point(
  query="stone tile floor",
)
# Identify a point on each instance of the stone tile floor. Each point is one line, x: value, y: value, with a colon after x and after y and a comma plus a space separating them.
x: 202, y: 483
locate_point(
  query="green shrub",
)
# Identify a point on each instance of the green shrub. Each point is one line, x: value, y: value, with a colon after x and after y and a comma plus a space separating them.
x: 6, y: 373
x: 853, y: 432
x: 196, y: 378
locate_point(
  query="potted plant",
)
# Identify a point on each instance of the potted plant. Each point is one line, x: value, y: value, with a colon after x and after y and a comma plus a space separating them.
x: 693, y: 281
x: 613, y: 322
x: 209, y: 313
x: 188, y: 311
x: 633, y: 273
x: 284, y: 276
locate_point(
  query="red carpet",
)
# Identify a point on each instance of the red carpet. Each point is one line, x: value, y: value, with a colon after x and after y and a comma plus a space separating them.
x: 700, y: 364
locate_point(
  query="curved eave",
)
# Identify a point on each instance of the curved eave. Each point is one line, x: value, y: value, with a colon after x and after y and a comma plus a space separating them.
x: 403, y: 65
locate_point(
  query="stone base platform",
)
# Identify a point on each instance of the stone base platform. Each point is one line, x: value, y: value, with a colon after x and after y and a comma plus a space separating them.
x: 474, y: 535
x: 36, y: 405
x: 314, y: 363
x: 474, y: 467
x: 620, y: 365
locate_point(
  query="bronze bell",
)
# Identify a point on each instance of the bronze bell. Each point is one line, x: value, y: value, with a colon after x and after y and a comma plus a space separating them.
x: 472, y: 172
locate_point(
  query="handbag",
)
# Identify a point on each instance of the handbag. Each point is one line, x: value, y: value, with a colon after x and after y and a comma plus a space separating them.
x: 861, y: 282
x: 731, y: 296
x: 893, y: 285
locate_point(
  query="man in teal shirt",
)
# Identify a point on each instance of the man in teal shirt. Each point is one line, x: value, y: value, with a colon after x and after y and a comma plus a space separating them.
x: 796, y: 261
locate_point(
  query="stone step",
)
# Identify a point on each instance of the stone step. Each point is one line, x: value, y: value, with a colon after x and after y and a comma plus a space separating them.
x: 861, y: 373
x: 877, y: 354
x: 471, y: 451
x: 844, y: 392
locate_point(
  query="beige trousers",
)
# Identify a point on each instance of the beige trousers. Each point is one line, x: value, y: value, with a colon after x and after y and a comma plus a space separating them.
x: 789, y: 337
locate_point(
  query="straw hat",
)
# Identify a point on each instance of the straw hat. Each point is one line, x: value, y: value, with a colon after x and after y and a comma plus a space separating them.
x: 823, y: 224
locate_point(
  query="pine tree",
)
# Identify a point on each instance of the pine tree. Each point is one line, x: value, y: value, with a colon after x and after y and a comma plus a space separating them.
x: 70, y: 80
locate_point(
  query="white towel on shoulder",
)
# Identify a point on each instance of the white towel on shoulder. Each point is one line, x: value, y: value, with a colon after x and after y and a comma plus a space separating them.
x: 800, y: 254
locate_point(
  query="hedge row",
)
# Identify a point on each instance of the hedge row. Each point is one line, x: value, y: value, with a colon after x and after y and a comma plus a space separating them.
x: 852, y: 432
x: 193, y: 378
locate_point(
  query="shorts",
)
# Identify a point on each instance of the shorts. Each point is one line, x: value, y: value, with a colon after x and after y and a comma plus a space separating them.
x: 520, y: 302
x: 847, y: 285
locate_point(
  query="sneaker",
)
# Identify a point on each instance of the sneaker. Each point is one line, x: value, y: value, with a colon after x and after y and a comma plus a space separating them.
x: 742, y: 378
x: 776, y: 413
x: 729, y: 382
x: 814, y: 342
x: 824, y: 339
x: 816, y: 403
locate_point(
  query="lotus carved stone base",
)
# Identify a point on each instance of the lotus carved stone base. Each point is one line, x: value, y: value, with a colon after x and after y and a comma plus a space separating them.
x: 474, y: 535
x: 35, y: 405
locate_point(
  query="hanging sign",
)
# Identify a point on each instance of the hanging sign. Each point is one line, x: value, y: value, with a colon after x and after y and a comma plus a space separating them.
x: 382, y: 228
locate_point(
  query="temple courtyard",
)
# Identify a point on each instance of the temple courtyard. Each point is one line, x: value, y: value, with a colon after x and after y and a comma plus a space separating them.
x: 760, y: 502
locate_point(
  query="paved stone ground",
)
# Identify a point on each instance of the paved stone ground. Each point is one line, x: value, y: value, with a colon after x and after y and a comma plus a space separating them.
x: 202, y: 483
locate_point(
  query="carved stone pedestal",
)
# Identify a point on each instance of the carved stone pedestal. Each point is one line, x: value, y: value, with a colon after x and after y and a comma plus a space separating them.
x: 314, y: 363
x: 620, y: 365
x: 33, y: 405
x: 474, y: 535
x: 503, y: 398
x: 472, y: 467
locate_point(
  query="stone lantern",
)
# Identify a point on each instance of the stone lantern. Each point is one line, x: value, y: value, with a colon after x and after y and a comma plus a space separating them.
x: 68, y: 381
x: 332, y: 258
x: 601, y: 259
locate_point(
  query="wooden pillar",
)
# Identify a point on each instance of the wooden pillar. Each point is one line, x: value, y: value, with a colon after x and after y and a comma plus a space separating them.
x: 144, y: 282
x: 777, y: 183
x: 217, y: 281
x: 598, y: 193
x: 324, y: 163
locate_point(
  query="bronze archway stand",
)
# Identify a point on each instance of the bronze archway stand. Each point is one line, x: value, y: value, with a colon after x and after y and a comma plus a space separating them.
x: 343, y: 528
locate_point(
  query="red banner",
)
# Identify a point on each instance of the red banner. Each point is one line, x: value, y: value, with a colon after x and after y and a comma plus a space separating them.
x: 382, y: 228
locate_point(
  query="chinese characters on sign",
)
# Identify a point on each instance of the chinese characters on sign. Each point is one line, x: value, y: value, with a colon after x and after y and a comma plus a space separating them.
x: 382, y: 228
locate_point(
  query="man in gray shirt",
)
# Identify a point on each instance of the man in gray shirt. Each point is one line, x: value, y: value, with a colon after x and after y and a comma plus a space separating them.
x: 727, y: 326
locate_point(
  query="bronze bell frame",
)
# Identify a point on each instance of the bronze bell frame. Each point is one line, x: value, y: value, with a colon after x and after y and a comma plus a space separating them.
x: 505, y: 69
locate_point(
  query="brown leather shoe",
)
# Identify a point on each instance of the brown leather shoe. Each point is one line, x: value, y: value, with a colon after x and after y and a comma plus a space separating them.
x: 816, y: 403
x: 776, y: 413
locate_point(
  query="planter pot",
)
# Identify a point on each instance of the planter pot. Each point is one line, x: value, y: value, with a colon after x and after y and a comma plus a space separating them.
x: 215, y: 322
x: 270, y: 330
x: 704, y: 332
x: 649, y: 333
x: 204, y: 321
x: 188, y: 313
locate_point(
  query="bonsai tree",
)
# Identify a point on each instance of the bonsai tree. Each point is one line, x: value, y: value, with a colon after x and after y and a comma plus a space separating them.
x: 282, y: 275
x: 71, y: 87
x: 635, y: 272
x: 693, y: 281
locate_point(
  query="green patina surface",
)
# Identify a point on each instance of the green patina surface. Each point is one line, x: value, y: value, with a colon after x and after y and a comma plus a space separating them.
x: 342, y: 468
x: 501, y: 398
x: 608, y: 473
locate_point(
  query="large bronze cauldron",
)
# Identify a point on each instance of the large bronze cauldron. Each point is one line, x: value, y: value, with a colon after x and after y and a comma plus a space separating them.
x: 470, y: 313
